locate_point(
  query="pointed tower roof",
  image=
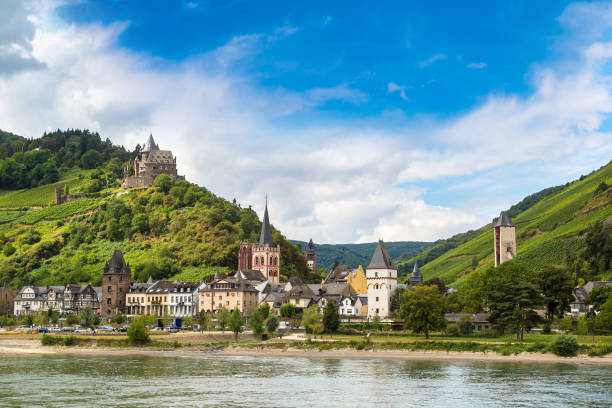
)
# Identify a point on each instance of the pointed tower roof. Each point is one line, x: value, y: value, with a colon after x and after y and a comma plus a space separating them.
x: 117, y: 264
x: 504, y: 220
x: 265, y: 238
x: 150, y: 144
x: 381, y: 258
x: 310, y: 245
x: 217, y: 275
x: 416, y: 272
x: 150, y: 280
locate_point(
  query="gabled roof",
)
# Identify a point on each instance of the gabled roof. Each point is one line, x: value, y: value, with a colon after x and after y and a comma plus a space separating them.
x: 381, y: 258
x: 250, y: 275
x: 265, y: 238
x: 504, y: 220
x: 150, y: 144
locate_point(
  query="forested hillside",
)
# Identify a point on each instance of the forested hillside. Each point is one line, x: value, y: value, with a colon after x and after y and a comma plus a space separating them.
x: 354, y: 255
x: 172, y: 230
x: 566, y: 226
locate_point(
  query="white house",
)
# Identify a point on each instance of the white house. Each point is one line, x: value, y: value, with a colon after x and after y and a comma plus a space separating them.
x: 182, y: 298
x: 381, y: 277
x: 347, y: 306
x: 28, y: 301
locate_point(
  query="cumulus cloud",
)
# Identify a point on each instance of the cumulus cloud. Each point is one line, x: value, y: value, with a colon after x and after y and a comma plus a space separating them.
x: 16, y: 34
x: 429, y: 61
x: 336, y: 181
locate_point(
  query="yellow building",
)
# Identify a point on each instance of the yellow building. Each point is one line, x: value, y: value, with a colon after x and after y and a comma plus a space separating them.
x: 230, y: 292
x: 136, y: 298
x: 357, y: 280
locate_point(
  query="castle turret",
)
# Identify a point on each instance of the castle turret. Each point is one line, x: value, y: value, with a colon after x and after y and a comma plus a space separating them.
x: 416, y: 278
x: 504, y: 239
x: 381, y: 278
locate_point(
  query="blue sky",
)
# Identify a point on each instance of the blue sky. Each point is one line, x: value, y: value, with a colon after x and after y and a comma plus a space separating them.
x: 361, y: 120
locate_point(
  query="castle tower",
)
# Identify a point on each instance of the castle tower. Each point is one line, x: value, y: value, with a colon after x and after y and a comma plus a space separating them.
x: 311, y: 256
x: 266, y: 256
x: 116, y: 282
x: 504, y: 239
x: 416, y: 278
x: 381, y: 277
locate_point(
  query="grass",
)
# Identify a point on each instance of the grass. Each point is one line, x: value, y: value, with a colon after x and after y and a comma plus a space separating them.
x: 61, y: 211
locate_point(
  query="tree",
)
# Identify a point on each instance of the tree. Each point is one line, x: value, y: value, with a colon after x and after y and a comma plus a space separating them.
x: 603, y: 320
x: 223, y: 317
x: 137, y: 333
x: 311, y: 319
x: 557, y: 287
x: 287, y: 311
x: 91, y: 159
x: 204, y: 320
x: 71, y: 319
x: 597, y: 298
x: 256, y: 323
x: 272, y: 324
x: 264, y: 310
x: 163, y: 182
x: 464, y: 325
x: 598, y: 248
x: 88, y: 317
x: 512, y: 305
x: 331, y: 319
x: 396, y: 299
x: 235, y: 323
x: 119, y: 318
x: 140, y: 223
x: 27, y: 320
x: 423, y: 309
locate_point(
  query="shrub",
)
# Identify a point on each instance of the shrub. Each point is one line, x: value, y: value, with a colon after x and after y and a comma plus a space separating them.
x: 452, y: 330
x: 70, y: 340
x: 47, y: 340
x: 564, y: 346
x: 137, y: 334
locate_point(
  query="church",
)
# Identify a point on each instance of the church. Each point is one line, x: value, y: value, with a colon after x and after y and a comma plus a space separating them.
x: 262, y: 256
x: 151, y: 163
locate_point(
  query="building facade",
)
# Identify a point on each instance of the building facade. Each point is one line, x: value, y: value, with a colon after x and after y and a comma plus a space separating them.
x: 152, y: 162
x: 7, y: 300
x: 504, y: 239
x: 357, y: 280
x: 116, y: 282
x: 263, y: 256
x: 381, y: 276
x: 311, y: 256
x: 229, y: 292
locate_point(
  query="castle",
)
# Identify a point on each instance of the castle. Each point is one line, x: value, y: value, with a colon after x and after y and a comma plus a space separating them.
x: 151, y: 163
x: 261, y: 256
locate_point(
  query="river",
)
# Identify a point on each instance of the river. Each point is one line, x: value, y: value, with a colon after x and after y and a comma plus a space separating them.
x: 213, y: 381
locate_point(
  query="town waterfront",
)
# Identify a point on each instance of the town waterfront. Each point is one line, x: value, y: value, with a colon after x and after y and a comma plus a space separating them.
x: 61, y: 380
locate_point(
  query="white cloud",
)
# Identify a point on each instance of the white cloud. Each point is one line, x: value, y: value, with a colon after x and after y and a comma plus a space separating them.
x: 429, y: 61
x: 477, y: 65
x: 192, y: 5
x: 393, y: 87
x: 337, y: 181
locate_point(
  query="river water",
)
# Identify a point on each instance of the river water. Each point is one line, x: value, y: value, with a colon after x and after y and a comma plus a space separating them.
x: 213, y: 381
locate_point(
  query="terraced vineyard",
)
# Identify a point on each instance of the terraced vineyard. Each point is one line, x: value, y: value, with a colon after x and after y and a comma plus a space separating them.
x: 545, y: 231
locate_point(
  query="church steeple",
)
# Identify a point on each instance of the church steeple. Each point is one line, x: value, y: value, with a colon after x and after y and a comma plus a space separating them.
x: 265, y: 238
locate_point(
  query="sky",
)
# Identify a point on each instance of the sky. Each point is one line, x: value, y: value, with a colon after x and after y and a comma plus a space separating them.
x: 360, y: 120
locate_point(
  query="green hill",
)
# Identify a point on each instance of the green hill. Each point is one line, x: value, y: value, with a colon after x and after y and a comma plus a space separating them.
x: 176, y: 230
x: 550, y: 226
x: 354, y: 255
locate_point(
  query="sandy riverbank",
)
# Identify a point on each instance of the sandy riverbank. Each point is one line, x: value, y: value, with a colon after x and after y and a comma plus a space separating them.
x: 31, y: 346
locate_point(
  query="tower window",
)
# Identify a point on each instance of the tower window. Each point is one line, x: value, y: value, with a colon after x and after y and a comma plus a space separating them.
x: 256, y: 261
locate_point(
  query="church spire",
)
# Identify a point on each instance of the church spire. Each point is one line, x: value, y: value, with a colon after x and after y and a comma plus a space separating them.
x: 265, y: 238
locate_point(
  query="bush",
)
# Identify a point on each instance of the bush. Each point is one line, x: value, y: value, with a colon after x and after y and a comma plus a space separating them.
x: 137, y: 333
x: 48, y: 340
x: 564, y: 346
x: 70, y: 340
x: 452, y: 330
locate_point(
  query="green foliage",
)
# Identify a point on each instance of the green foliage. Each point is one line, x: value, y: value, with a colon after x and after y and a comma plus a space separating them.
x: 603, y: 321
x: 48, y: 340
x: 204, y: 320
x: 557, y: 287
x: 423, y: 309
x: 119, y: 318
x: 72, y: 319
x: 264, y: 310
x: 288, y: 311
x: 60, y: 211
x: 256, y: 323
x: 70, y: 340
x: 272, y: 324
x: 598, y: 297
x: 164, y: 183
x: 137, y: 333
x: 464, y: 326
x: 223, y: 318
x: 568, y: 324
x: 331, y: 318
x: 88, y: 317
x: 311, y: 320
x: 564, y: 346
x: 91, y: 159
x: 235, y: 323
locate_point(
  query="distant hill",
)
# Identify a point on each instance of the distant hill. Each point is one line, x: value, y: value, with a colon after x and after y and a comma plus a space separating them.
x: 175, y: 230
x: 550, y: 226
x: 354, y: 255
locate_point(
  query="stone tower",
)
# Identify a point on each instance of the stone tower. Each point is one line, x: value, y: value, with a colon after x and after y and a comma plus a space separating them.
x: 381, y: 278
x: 416, y: 278
x: 311, y: 256
x: 116, y: 282
x: 504, y: 239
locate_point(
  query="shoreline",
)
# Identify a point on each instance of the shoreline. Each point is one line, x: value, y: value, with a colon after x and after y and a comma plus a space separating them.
x: 24, y: 347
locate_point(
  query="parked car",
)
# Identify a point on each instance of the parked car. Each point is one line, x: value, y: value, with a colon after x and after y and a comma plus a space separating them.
x: 157, y: 329
x: 67, y: 329
x: 2, y: 329
x: 43, y: 329
x: 83, y: 330
x: 123, y: 329
x: 23, y: 328
x: 173, y: 330
x: 106, y: 328
x: 54, y: 330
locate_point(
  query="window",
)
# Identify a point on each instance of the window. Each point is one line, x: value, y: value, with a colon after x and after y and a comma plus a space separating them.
x: 262, y: 260
x: 108, y: 301
x: 220, y: 297
x: 271, y: 260
x: 377, y: 298
x: 227, y: 302
x: 375, y: 274
x: 256, y: 260
x: 238, y: 303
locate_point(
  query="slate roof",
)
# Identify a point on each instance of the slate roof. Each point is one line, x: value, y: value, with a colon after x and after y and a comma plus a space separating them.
x: 300, y: 292
x: 250, y: 275
x: 265, y: 238
x: 363, y: 299
x: 504, y: 220
x: 150, y: 144
x: 117, y: 265
x: 337, y: 273
x: 381, y: 258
